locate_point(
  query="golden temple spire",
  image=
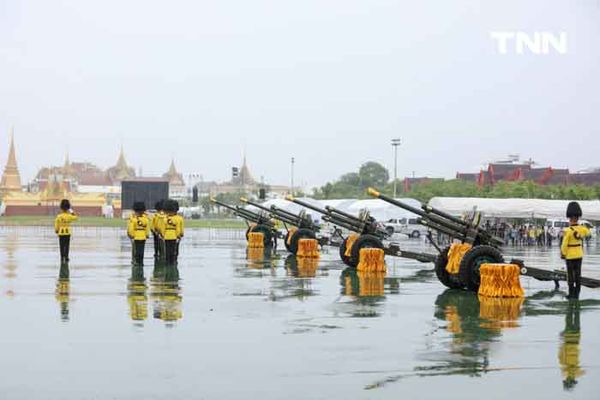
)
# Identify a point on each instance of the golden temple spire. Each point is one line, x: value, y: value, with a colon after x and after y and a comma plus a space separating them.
x: 11, y: 179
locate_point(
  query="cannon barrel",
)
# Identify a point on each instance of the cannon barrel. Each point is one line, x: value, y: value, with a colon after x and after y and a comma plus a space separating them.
x: 341, y: 223
x: 344, y: 214
x: 257, y: 205
x: 284, y: 213
x: 456, y: 226
x: 245, y: 214
x: 220, y: 203
x: 306, y: 205
x: 437, y: 219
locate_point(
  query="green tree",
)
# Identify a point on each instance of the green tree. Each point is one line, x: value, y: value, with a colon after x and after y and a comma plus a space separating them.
x: 373, y: 174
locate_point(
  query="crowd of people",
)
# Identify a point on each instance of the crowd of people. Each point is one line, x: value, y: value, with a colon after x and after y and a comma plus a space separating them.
x: 527, y: 234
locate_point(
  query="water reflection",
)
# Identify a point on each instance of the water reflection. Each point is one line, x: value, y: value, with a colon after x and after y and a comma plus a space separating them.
x: 259, y: 258
x: 62, y: 291
x: 568, y: 354
x: 474, y: 323
x: 136, y: 294
x: 366, y: 291
x: 166, y: 293
x: 368, y: 286
x: 301, y: 267
x: 301, y: 288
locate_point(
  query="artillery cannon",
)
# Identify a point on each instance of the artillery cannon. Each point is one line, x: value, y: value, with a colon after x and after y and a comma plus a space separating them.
x: 298, y: 226
x: 484, y: 248
x: 368, y: 234
x: 256, y: 222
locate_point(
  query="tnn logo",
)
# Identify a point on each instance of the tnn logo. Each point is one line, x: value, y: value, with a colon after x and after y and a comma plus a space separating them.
x: 538, y: 43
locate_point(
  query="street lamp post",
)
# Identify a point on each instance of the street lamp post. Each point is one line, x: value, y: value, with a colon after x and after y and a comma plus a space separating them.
x: 292, y: 176
x: 395, y: 143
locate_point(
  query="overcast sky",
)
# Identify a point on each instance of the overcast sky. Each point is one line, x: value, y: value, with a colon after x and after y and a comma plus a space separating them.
x: 329, y: 82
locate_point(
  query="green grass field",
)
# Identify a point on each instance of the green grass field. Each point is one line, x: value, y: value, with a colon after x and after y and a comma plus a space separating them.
x: 117, y: 223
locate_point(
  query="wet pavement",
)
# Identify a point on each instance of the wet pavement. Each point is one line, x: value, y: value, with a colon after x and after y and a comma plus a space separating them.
x: 232, y: 323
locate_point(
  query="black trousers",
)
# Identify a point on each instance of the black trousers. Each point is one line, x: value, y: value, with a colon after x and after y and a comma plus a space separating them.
x: 64, y: 243
x: 171, y: 251
x: 138, y: 251
x: 157, y: 245
x: 574, y: 277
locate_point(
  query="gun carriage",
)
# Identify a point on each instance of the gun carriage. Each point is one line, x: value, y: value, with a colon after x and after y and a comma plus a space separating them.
x: 366, y: 233
x: 256, y: 222
x: 484, y: 248
x: 297, y: 226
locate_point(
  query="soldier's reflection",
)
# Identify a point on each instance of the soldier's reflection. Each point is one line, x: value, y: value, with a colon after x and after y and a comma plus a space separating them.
x: 136, y: 294
x: 166, y: 293
x: 568, y: 354
x: 61, y: 293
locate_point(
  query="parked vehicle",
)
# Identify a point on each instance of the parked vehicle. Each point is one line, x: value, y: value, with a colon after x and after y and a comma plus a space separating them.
x: 405, y: 226
x: 560, y: 224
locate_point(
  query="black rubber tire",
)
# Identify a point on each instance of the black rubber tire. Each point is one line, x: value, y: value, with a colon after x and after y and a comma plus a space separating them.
x: 390, y: 230
x: 415, y: 234
x: 448, y: 280
x: 285, y: 241
x: 363, y: 242
x: 472, y: 260
x: 302, y: 233
x: 343, y: 257
x: 267, y: 234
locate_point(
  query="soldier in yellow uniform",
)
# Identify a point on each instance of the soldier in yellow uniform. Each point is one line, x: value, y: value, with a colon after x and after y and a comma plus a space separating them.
x: 62, y: 227
x: 138, y: 230
x: 571, y: 248
x: 157, y: 221
x: 172, y: 231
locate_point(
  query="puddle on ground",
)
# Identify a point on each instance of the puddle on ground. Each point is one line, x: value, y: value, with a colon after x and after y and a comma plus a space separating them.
x: 229, y: 322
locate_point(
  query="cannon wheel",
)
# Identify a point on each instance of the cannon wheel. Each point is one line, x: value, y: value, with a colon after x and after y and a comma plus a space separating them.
x: 448, y: 280
x: 363, y: 242
x: 471, y: 262
x: 343, y: 257
x: 301, y: 233
x: 267, y: 235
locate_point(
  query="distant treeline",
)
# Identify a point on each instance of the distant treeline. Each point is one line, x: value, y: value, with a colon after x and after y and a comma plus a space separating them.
x: 354, y: 185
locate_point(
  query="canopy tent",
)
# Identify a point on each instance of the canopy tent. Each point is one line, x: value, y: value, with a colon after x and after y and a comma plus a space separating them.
x: 514, y: 208
x: 379, y: 209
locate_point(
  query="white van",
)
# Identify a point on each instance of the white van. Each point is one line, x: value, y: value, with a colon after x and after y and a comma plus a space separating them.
x: 405, y: 226
x: 559, y: 225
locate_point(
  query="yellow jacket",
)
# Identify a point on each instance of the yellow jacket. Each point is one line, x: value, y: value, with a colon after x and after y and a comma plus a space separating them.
x: 172, y: 228
x: 157, y: 221
x: 138, y: 227
x: 572, y: 243
x: 62, y: 223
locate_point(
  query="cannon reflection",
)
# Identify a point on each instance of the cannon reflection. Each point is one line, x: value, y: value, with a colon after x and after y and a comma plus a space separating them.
x: 259, y: 258
x: 300, y: 267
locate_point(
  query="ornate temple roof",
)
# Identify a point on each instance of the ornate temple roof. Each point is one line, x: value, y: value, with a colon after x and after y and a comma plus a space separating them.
x: 11, y: 179
x: 121, y: 171
x: 174, y: 177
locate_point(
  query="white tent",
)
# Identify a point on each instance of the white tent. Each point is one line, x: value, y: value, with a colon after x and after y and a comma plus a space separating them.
x: 514, y: 208
x: 379, y: 209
